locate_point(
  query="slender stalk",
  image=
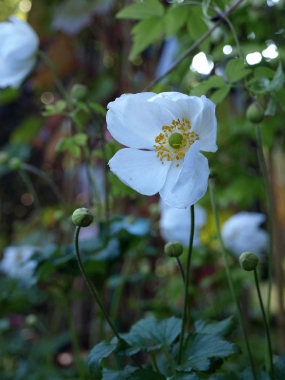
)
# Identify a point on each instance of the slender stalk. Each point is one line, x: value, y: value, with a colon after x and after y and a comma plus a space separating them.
x: 94, y: 292
x: 41, y: 174
x: 222, y: 16
x: 91, y: 287
x: 265, y: 325
x: 270, y: 216
x: 31, y: 190
x: 74, y: 340
x: 170, y: 361
x: 227, y: 267
x: 59, y: 85
x: 186, y: 290
x: 153, y: 358
x: 181, y: 270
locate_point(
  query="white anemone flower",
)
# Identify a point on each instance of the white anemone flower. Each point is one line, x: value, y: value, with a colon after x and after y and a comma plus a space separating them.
x: 165, y: 134
x: 175, y: 224
x: 242, y: 233
x: 17, y: 263
x: 19, y: 44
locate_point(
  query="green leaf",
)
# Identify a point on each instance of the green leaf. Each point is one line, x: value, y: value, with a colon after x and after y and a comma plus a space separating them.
x: 244, y: 375
x: 271, y: 107
x: 108, y: 374
x: 27, y: 130
x: 219, y: 95
x: 98, y: 352
x: 74, y: 150
x: 80, y: 139
x: 145, y: 33
x: 62, y: 144
x: 263, y: 72
x: 142, y: 10
x: 279, y: 368
x: 151, y: 334
x: 184, y: 376
x: 197, y: 27
x: 143, y: 374
x: 236, y: 70
x: 199, y: 348
x: 174, y: 19
x: 222, y: 329
x: 278, y: 79
x: 215, y: 81
x: 98, y: 108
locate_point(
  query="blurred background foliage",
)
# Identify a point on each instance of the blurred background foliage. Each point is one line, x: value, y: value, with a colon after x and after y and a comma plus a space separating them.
x: 112, y: 50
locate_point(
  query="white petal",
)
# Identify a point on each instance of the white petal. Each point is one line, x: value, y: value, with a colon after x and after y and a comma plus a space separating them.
x: 185, y: 187
x: 140, y: 169
x: 135, y: 122
x: 205, y: 125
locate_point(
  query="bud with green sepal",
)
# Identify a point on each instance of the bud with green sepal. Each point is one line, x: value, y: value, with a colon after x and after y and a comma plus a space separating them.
x: 255, y: 113
x: 82, y: 217
x: 248, y: 261
x: 173, y: 249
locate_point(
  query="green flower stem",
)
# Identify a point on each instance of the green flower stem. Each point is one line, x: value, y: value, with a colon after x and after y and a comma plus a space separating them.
x: 270, y: 216
x: 180, y: 268
x: 31, y: 190
x: 94, y: 292
x: 193, y: 47
x: 74, y: 339
x: 186, y: 290
x: 59, y: 85
x: 153, y: 358
x: 41, y: 174
x: 170, y: 361
x: 265, y: 325
x: 228, y: 273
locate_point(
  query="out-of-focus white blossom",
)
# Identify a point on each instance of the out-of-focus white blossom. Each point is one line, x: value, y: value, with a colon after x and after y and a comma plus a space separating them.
x: 175, y: 224
x: 17, y: 263
x: 242, y: 233
x: 18, y: 48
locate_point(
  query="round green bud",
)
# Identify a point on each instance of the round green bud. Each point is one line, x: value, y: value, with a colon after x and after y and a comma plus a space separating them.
x: 173, y: 249
x: 248, y: 261
x: 4, y: 158
x: 82, y: 217
x: 15, y: 163
x: 255, y: 113
x: 79, y: 92
x: 31, y: 320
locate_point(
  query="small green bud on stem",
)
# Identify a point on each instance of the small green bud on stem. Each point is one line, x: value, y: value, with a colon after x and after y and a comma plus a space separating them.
x: 15, y: 163
x: 255, y: 113
x: 82, y: 217
x: 173, y: 249
x: 248, y: 261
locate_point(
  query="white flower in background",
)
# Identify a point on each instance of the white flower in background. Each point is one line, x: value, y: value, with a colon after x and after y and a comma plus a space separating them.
x: 165, y: 134
x: 17, y: 263
x: 18, y: 47
x: 73, y: 15
x: 242, y: 233
x: 175, y: 224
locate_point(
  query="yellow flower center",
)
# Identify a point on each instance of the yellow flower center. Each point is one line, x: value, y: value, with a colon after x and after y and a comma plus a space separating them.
x: 174, y: 140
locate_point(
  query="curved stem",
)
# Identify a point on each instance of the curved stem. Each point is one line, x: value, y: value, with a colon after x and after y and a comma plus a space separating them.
x: 95, y: 294
x: 227, y: 267
x: 186, y: 290
x: 91, y: 287
x: 192, y: 47
x: 41, y: 174
x: 180, y: 268
x: 265, y: 325
x: 270, y: 216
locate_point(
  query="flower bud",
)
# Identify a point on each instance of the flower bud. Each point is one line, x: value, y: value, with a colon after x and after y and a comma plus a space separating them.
x: 79, y: 92
x: 173, y: 249
x: 248, y: 261
x: 15, y: 163
x: 82, y: 217
x: 4, y: 158
x: 255, y: 113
